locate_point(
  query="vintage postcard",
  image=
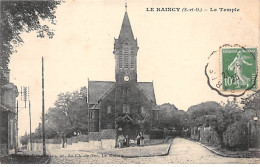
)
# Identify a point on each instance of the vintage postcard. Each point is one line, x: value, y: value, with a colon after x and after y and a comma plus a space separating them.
x: 130, y: 82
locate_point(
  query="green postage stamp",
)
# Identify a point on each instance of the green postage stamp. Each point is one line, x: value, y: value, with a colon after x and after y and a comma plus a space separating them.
x: 239, y: 68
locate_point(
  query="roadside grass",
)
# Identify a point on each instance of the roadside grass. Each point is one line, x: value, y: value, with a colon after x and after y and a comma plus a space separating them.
x: 24, y: 159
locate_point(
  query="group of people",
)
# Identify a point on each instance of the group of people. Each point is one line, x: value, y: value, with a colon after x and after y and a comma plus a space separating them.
x: 140, y: 139
x: 123, y: 141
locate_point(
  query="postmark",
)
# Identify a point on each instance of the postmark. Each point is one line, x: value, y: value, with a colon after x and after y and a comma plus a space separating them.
x: 232, y: 70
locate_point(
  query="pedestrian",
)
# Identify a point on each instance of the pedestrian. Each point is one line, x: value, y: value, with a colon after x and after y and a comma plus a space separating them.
x: 138, y: 140
x: 142, y: 140
x: 120, y: 141
x: 124, y: 141
x: 127, y: 141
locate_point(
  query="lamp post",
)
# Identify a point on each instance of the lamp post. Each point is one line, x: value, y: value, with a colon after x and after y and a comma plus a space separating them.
x: 248, y: 135
x: 16, y: 144
x: 256, y: 129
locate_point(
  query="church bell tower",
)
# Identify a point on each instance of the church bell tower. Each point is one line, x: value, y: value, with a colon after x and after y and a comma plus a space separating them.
x: 125, y: 51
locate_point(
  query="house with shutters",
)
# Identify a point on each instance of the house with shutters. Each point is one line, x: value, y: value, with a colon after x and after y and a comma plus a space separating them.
x: 124, y: 105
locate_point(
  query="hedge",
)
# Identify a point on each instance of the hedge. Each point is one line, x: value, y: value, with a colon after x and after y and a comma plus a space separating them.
x: 236, y: 136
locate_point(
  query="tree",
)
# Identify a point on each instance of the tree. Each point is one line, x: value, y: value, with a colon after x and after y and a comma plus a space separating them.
x: 25, y: 139
x: 69, y: 114
x: 228, y: 122
x: 23, y: 16
x: 251, y: 101
x: 171, y: 117
x: 198, y: 114
x: 251, y: 108
x: 166, y: 115
x: 235, y: 137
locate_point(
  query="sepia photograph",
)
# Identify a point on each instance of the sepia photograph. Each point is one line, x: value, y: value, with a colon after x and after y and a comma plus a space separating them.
x: 129, y: 82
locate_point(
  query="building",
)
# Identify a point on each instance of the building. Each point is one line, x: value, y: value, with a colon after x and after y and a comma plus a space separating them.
x: 124, y: 105
x: 8, y: 119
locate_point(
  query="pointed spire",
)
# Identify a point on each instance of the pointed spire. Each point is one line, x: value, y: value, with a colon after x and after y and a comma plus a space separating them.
x: 126, y: 6
x: 126, y: 29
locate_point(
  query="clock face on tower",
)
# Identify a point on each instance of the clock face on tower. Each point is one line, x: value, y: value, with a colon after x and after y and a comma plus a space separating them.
x: 126, y: 78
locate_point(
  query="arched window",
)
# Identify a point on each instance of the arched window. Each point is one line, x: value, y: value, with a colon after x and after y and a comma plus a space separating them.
x: 12, y: 131
x: 126, y: 109
x: 132, y: 63
x: 126, y: 58
x: 143, y: 110
x: 126, y: 55
x: 120, y: 60
x: 109, y: 109
x: 91, y: 114
x: 126, y: 90
x: 132, y: 60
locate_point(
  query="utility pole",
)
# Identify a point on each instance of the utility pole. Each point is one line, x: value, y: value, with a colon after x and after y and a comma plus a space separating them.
x: 17, y: 116
x: 23, y: 95
x: 43, y: 125
x: 88, y: 107
x: 16, y: 144
x: 30, y: 125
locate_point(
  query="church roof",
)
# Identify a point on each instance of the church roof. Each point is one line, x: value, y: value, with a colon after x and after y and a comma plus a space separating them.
x: 148, y: 90
x: 96, y: 89
x: 126, y: 29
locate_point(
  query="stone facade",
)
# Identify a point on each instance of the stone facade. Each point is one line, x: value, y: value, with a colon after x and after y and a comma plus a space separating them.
x: 126, y: 105
x: 8, y: 115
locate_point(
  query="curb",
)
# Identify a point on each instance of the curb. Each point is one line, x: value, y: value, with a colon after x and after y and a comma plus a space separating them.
x: 229, y: 155
x: 213, y: 151
x: 168, y: 149
x: 48, y: 160
x: 222, y: 154
x: 165, y: 154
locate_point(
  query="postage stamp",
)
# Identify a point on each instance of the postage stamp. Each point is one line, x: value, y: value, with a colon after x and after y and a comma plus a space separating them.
x: 232, y: 70
x: 239, y: 68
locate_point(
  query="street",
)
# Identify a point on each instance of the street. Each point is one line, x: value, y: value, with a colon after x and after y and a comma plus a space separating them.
x: 182, y: 151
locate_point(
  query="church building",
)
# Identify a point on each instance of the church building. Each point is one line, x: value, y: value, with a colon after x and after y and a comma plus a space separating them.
x: 124, y: 105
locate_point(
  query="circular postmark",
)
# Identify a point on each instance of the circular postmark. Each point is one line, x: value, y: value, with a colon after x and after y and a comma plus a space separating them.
x: 232, y: 70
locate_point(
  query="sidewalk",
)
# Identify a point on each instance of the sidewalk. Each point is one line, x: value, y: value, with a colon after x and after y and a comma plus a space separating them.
x: 133, y: 152
x: 128, y: 152
x: 233, y: 154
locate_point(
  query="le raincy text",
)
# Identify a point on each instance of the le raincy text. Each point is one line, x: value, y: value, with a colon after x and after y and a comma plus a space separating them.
x: 169, y: 9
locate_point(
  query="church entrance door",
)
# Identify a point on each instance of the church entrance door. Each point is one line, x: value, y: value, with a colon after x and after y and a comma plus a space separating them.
x: 129, y: 127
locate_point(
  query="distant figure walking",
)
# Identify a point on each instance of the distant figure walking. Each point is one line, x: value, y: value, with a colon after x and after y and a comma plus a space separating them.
x: 142, y: 140
x: 138, y: 140
x: 127, y: 141
x: 120, y: 141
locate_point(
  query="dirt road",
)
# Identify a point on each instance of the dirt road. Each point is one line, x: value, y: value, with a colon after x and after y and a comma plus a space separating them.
x: 182, y: 151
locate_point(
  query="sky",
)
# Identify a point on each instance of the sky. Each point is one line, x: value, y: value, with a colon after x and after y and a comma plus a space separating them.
x: 173, y: 49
